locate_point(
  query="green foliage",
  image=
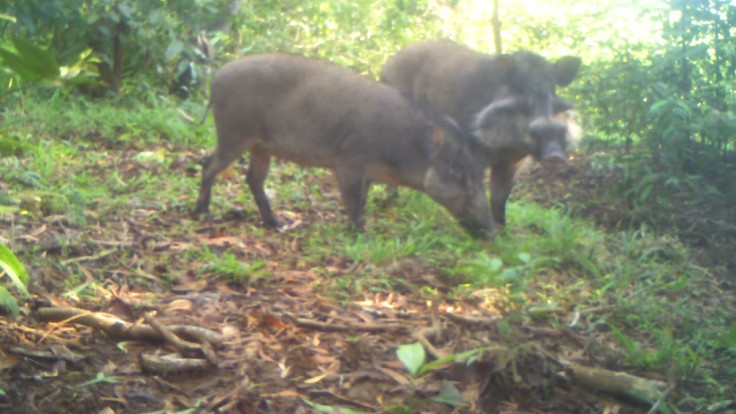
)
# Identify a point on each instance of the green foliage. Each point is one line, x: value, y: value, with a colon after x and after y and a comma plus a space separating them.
x: 14, y: 270
x: 175, y: 44
x: 232, y: 267
x: 30, y: 61
x: 100, y: 379
x: 412, y: 356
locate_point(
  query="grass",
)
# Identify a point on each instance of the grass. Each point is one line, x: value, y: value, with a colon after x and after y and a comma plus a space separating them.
x: 110, y: 159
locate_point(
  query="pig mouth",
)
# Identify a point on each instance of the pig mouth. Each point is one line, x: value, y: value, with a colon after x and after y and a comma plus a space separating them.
x: 554, y: 160
x: 478, y: 231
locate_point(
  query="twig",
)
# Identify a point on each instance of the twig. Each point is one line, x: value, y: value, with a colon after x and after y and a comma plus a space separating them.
x: 337, y: 327
x: 184, y: 347
x: 118, y: 328
x: 661, y: 399
x: 169, y: 365
x: 112, y: 243
x: 181, y: 346
x: 422, y: 335
x: 470, y: 320
x: 89, y: 258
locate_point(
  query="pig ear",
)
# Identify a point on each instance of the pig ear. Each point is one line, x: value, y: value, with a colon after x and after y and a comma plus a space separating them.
x: 504, y: 62
x: 560, y: 105
x: 566, y: 68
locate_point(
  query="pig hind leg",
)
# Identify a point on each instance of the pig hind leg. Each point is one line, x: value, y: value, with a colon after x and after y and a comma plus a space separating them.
x: 259, y: 163
x: 215, y: 165
x: 354, y: 191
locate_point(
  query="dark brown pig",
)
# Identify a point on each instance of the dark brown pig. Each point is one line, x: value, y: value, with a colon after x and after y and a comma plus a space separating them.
x: 507, y: 102
x: 318, y: 114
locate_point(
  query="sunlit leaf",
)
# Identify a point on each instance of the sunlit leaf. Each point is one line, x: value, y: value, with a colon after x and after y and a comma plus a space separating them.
x: 8, y: 302
x: 14, y: 269
x: 38, y: 59
x: 412, y: 356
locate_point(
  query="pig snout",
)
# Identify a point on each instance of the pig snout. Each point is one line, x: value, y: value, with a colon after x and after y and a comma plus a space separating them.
x: 553, y: 155
x: 478, y: 220
x: 549, y: 137
x: 468, y: 204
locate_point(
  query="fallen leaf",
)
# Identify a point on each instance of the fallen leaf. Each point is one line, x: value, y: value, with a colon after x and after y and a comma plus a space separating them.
x: 316, y: 379
x: 180, y: 305
x: 223, y: 241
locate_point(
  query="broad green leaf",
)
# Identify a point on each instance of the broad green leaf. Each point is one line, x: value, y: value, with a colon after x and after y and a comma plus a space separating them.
x: 463, y: 356
x: 524, y: 257
x: 174, y: 49
x: 14, y: 269
x: 644, y: 194
x: 4, y: 16
x: 496, y: 264
x: 449, y: 395
x: 412, y: 356
x: 18, y: 65
x: 8, y: 302
x: 42, y: 62
x: 9, y: 209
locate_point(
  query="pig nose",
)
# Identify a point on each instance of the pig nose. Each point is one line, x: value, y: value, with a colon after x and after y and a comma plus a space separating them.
x: 543, y: 129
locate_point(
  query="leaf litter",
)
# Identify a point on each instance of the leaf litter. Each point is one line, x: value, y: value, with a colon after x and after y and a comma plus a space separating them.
x: 286, y: 347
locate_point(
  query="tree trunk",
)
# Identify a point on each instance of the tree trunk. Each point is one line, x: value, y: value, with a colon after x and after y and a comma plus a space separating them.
x: 496, y: 24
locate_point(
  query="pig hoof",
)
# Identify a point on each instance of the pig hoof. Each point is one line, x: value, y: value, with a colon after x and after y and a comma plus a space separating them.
x: 273, y: 224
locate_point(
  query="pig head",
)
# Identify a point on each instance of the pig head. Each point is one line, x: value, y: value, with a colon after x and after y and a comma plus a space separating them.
x: 508, y: 103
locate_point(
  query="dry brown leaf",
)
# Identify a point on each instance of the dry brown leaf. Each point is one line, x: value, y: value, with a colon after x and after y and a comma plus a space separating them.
x: 230, y: 331
x: 37, y: 232
x: 223, y: 241
x: 396, y: 376
x: 180, y: 305
x: 8, y: 361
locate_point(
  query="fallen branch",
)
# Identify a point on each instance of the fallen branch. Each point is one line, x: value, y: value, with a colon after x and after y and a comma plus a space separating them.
x: 184, y: 347
x: 99, y: 255
x: 470, y: 320
x: 422, y: 337
x: 639, y: 389
x: 337, y: 327
x: 170, y: 365
x: 120, y: 329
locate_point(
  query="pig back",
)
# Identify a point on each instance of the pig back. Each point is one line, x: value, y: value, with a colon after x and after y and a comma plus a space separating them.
x: 445, y: 78
x: 313, y: 112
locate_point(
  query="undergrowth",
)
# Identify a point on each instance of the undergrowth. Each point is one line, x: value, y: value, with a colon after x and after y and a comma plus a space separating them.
x: 637, y: 288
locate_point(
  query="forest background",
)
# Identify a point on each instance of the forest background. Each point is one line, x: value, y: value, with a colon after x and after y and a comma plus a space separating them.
x: 655, y: 179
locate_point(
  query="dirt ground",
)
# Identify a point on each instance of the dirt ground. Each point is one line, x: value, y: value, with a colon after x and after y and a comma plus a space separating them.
x: 280, y: 345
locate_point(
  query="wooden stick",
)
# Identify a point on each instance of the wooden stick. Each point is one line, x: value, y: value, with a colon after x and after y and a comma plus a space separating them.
x: 118, y: 328
x: 337, y: 327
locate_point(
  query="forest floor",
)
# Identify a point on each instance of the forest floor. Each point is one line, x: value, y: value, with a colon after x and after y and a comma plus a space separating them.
x: 282, y: 344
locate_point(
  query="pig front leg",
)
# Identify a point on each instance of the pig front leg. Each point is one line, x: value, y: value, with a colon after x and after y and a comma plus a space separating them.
x: 259, y: 163
x: 353, y: 187
x: 502, y: 180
